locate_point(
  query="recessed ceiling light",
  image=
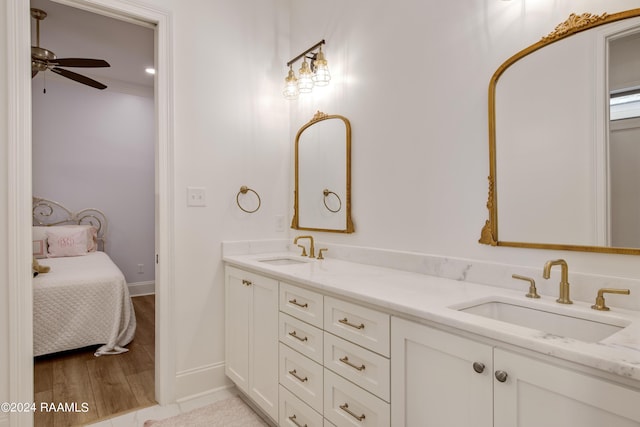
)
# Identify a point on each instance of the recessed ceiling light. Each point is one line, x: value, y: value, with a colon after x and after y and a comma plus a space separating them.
x: 150, y: 70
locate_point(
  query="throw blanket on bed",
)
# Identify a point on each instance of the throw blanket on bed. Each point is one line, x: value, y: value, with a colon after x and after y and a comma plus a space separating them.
x: 82, y: 301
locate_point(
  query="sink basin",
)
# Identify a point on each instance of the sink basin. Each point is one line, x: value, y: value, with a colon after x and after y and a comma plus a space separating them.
x: 544, y: 319
x: 282, y: 261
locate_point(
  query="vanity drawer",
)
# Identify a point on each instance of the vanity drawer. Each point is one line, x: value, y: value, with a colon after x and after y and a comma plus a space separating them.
x: 303, y: 337
x: 363, y: 367
x: 295, y: 413
x: 347, y: 404
x: 301, y: 376
x: 301, y: 303
x: 363, y: 326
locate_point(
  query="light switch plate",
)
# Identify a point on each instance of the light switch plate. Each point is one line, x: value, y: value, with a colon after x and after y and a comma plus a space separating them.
x: 196, y: 196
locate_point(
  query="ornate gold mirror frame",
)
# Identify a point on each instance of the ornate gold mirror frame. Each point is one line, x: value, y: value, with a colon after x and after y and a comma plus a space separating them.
x: 574, y: 24
x: 341, y: 204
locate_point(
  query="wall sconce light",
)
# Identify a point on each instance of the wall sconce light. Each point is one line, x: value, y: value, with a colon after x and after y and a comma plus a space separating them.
x: 313, y: 73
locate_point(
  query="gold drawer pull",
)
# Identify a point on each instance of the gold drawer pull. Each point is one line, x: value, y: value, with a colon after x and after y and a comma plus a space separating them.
x: 293, y: 334
x: 295, y: 302
x: 295, y: 374
x: 345, y: 360
x: 345, y: 321
x: 246, y: 282
x: 292, y: 418
x: 345, y: 408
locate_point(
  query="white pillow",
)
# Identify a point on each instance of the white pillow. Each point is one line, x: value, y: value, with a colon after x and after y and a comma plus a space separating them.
x: 39, y: 238
x: 66, y: 241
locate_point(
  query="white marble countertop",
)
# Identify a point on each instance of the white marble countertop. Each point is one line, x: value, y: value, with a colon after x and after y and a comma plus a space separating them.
x: 438, y: 299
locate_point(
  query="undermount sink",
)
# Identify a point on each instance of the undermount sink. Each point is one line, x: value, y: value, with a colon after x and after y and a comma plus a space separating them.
x: 282, y: 261
x: 544, y: 319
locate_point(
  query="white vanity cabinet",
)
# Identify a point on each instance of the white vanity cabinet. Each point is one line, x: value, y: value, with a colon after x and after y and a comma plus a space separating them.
x: 444, y: 379
x: 301, y: 371
x: 356, y: 360
x: 251, y: 336
x: 435, y: 382
x: 334, y: 361
x: 536, y: 393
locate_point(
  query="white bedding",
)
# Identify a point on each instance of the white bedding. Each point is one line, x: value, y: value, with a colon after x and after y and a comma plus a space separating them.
x: 82, y: 301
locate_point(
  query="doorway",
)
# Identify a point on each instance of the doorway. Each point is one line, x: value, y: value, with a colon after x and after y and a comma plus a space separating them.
x: 94, y: 148
x: 20, y: 346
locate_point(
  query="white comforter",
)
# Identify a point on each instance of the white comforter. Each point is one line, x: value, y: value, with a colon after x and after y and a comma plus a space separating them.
x: 82, y: 301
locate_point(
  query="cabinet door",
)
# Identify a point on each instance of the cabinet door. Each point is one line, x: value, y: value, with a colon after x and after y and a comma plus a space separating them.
x: 263, y: 344
x: 536, y: 394
x: 236, y: 315
x: 434, y: 381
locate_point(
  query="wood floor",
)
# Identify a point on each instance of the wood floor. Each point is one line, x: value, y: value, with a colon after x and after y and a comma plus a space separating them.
x: 108, y: 385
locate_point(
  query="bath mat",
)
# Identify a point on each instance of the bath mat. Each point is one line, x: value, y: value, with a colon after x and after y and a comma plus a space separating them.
x: 232, y: 412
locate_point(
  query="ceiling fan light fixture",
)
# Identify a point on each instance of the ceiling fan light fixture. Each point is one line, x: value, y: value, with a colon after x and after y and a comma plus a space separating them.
x: 150, y: 70
x: 44, y: 60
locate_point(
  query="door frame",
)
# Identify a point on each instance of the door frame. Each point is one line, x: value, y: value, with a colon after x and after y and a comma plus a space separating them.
x: 19, y: 193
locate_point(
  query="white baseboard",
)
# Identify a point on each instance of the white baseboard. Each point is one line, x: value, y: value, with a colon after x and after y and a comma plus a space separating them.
x: 142, y: 288
x: 205, y: 379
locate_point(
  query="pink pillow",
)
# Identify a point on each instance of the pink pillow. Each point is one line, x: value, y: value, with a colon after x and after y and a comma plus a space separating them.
x: 66, y: 241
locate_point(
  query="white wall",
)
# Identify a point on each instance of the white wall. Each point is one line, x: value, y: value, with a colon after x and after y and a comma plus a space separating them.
x: 545, y: 179
x: 95, y: 149
x: 624, y: 142
x: 231, y: 129
x: 411, y: 76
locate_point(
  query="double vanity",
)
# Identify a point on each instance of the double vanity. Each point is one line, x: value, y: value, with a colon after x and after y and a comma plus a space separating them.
x: 336, y: 342
x: 369, y: 337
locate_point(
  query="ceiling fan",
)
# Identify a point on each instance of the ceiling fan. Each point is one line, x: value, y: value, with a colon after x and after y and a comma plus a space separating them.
x: 43, y: 59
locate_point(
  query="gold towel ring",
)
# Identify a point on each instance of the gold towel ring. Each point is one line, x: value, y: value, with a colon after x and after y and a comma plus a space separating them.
x: 243, y: 190
x: 326, y: 193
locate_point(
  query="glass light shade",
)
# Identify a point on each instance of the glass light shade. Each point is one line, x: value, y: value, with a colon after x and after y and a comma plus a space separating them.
x: 290, y: 86
x: 305, y: 78
x: 321, y: 74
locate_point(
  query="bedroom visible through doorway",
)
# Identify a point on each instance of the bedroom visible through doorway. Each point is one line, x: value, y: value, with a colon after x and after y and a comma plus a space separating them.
x: 108, y: 385
x: 96, y: 148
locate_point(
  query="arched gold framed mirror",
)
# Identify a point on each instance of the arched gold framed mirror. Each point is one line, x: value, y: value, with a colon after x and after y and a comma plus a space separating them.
x: 322, y: 200
x: 553, y: 183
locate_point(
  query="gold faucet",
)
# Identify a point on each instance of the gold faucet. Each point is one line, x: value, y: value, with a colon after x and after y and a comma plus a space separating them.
x: 600, y: 305
x: 312, y: 251
x: 564, y: 279
x: 533, y: 292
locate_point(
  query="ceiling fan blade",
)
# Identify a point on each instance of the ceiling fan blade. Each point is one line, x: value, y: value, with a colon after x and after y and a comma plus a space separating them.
x: 79, y: 78
x: 33, y: 72
x: 80, y: 62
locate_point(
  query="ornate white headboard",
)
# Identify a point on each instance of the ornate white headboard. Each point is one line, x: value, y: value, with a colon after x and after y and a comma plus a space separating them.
x: 47, y: 212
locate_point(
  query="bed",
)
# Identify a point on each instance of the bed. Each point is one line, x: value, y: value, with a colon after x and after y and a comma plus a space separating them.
x: 84, y: 299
